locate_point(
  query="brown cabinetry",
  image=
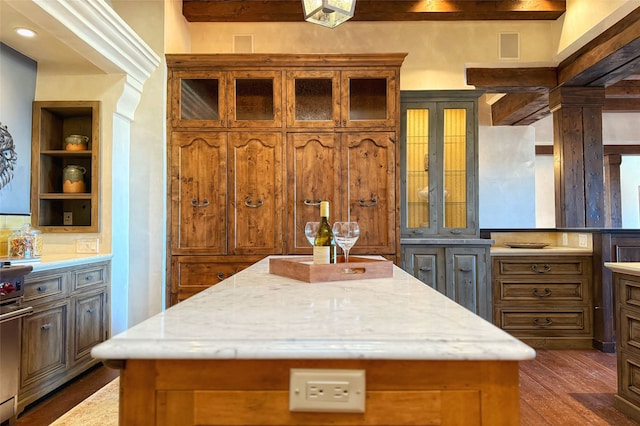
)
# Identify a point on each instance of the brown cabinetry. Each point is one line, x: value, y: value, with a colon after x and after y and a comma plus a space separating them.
x: 239, y: 193
x: 70, y: 316
x: 546, y: 301
x: 627, y: 308
x: 65, y: 176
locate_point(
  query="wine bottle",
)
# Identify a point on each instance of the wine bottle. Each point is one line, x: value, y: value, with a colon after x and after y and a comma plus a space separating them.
x: 324, y: 245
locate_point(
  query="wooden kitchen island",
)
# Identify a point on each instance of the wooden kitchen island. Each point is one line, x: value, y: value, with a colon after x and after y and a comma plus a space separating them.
x: 224, y: 356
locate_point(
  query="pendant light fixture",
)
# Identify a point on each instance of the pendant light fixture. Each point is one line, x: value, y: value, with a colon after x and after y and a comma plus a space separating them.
x: 328, y: 13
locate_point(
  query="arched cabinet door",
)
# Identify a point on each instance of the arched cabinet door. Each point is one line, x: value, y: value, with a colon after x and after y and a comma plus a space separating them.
x: 255, y: 193
x: 198, y: 192
x: 314, y: 167
x: 368, y: 185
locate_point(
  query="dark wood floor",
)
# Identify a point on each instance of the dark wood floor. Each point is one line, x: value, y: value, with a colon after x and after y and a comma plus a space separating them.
x: 44, y: 411
x: 558, y: 388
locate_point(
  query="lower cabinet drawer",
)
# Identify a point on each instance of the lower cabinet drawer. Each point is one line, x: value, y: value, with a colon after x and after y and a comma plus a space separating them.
x: 544, y: 322
x: 192, y: 274
x: 629, y: 376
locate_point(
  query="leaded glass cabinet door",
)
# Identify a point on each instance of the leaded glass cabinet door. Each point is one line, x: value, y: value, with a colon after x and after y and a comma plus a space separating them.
x: 457, y: 132
x: 418, y: 156
x: 439, y: 166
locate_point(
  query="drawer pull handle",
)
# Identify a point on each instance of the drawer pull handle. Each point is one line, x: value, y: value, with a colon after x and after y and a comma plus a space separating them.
x: 547, y: 322
x: 221, y: 276
x: 308, y: 202
x: 88, y: 278
x: 547, y: 292
x: 249, y: 203
x: 466, y: 269
x: 195, y: 203
x: 42, y: 289
x: 91, y: 310
x: 372, y: 202
x: 46, y: 327
x: 425, y: 269
x: 546, y: 268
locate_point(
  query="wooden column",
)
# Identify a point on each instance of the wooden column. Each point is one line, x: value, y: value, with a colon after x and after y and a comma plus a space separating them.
x: 612, y: 200
x: 578, y: 156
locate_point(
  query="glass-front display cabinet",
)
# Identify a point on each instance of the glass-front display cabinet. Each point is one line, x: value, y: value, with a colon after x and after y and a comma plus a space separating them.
x: 439, y: 164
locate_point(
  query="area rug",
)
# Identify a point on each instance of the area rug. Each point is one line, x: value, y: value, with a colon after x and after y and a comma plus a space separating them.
x: 101, y: 408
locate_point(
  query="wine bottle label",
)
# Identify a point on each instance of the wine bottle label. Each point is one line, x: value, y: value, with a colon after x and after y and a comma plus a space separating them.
x: 321, y: 255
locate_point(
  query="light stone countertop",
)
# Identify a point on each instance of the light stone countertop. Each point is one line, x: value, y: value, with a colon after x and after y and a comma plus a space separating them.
x: 631, y: 268
x: 546, y: 251
x: 63, y: 260
x: 256, y: 315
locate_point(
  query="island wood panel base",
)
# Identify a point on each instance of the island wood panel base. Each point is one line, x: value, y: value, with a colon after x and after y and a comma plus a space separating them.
x: 256, y: 392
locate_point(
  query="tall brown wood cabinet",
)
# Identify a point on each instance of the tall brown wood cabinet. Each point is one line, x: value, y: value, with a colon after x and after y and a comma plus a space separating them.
x: 257, y: 141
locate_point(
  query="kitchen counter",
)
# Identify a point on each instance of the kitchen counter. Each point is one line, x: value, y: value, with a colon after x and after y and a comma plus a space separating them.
x: 245, y: 334
x: 546, y: 251
x: 631, y: 268
x: 63, y: 260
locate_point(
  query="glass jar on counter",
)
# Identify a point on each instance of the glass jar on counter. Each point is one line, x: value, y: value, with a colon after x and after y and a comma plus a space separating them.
x: 26, y: 243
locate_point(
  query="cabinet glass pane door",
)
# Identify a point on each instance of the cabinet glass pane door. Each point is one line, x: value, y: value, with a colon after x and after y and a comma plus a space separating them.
x: 199, y: 99
x: 313, y: 99
x: 254, y: 99
x: 418, y: 168
x: 367, y: 99
x: 455, y: 173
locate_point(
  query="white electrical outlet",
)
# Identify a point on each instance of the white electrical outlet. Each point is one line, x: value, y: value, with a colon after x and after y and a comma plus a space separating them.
x: 87, y: 245
x: 329, y: 391
x: 582, y: 240
x: 67, y: 218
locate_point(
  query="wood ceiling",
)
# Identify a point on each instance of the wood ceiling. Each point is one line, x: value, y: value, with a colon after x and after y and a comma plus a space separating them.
x: 612, y: 60
x: 375, y: 10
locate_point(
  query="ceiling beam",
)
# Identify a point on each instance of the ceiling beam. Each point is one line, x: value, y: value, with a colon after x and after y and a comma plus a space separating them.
x: 520, y: 109
x: 512, y: 80
x: 376, y: 10
x: 611, y: 60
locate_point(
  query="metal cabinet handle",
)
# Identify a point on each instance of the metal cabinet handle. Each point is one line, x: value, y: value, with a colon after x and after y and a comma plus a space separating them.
x: 373, y: 202
x: 46, y: 327
x: 88, y: 278
x: 42, y: 288
x: 545, y: 268
x: 195, y: 203
x: 308, y: 202
x: 455, y: 231
x: 547, y: 292
x: 425, y: 269
x: 249, y: 203
x: 465, y: 269
x: 221, y: 276
x: 91, y: 310
x: 547, y: 322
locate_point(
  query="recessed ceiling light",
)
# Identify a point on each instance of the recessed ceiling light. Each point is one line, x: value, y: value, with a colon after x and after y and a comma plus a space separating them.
x: 25, y: 32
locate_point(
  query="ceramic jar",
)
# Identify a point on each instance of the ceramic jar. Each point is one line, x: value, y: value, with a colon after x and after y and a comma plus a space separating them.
x: 76, y: 143
x: 73, y: 179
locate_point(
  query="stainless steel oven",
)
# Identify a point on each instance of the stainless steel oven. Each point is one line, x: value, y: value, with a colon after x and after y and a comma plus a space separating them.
x: 11, y: 311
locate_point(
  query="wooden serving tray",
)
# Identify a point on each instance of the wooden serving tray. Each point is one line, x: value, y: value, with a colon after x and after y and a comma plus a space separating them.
x: 302, y: 268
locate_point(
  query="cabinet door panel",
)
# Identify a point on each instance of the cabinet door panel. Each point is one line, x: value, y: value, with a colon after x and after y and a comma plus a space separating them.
x: 90, y: 321
x: 313, y: 99
x: 369, y: 167
x: 465, y: 266
x: 314, y: 168
x: 44, y: 344
x: 428, y: 266
x: 256, y: 200
x: 198, y: 192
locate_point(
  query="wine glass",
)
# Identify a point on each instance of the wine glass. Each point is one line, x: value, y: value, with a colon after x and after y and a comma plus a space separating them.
x: 310, y: 231
x: 346, y: 234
